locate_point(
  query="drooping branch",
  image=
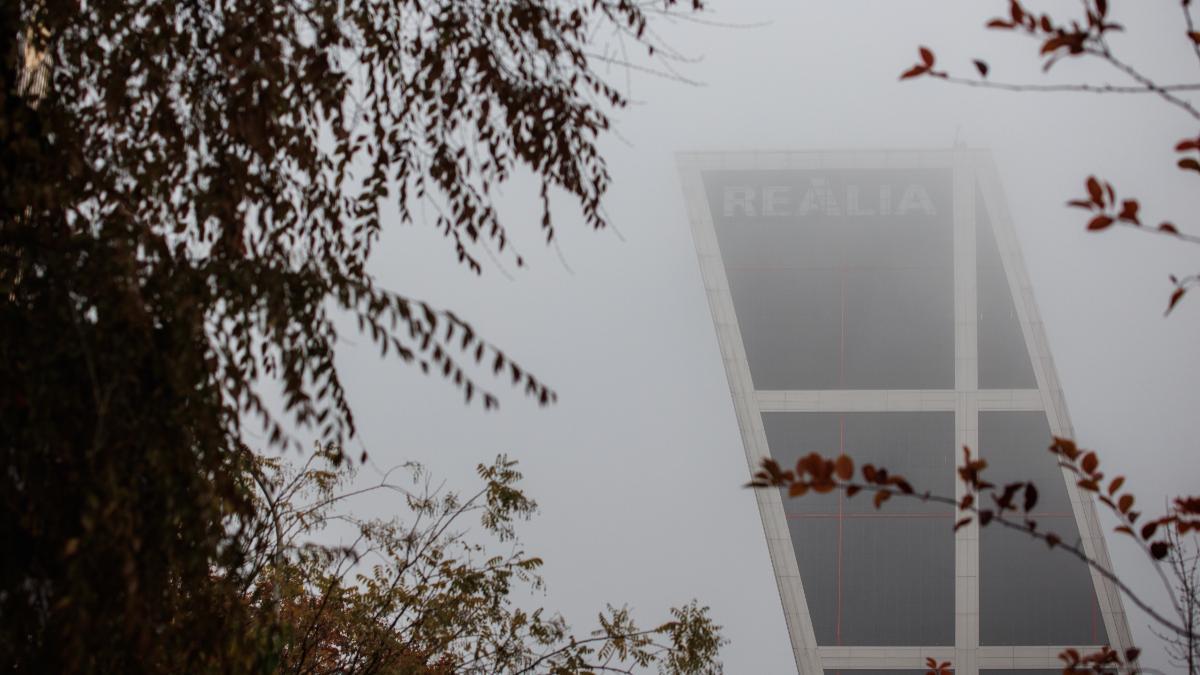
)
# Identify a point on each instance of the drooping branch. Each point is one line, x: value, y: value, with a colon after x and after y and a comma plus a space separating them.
x: 822, y: 475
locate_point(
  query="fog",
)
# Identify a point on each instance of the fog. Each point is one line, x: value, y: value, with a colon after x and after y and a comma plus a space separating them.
x: 638, y: 468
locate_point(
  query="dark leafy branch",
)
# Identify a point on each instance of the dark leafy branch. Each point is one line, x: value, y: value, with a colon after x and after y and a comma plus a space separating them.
x: 1087, y: 37
x: 1010, y: 506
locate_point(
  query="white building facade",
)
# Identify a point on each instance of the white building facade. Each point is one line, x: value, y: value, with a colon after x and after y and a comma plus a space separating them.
x: 875, y: 303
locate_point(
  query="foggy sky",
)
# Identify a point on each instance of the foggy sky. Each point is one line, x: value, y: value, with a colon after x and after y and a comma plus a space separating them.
x: 638, y: 467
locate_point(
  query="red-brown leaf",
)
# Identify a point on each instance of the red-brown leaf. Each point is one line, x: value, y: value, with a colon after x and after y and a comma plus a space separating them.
x: 1100, y: 222
x: 881, y: 497
x: 844, y: 467
x: 1159, y: 549
x: 914, y: 71
x: 981, y: 67
x: 1093, y: 188
x: 1054, y: 43
x: 1116, y: 485
x: 1175, y: 298
x: 1149, y: 528
x: 1090, y: 462
x: 1129, y: 211
x: 926, y: 56
x: 1031, y: 497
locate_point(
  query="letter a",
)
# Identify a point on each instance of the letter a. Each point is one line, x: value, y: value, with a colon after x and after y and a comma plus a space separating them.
x: 915, y: 199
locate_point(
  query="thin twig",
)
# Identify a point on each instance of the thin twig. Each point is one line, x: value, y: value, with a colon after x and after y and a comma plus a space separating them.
x: 998, y: 517
x: 1070, y: 88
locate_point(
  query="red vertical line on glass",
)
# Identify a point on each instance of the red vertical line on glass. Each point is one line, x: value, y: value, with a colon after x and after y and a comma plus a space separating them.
x: 841, y: 437
x: 842, y: 325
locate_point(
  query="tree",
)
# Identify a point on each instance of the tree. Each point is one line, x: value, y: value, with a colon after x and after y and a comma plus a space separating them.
x: 189, y: 195
x: 1168, y: 540
x: 418, y: 593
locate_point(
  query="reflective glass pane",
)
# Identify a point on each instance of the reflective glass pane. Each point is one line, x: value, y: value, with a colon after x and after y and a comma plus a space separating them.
x: 840, y: 279
x: 1003, y: 359
x: 859, y: 564
x: 1028, y: 593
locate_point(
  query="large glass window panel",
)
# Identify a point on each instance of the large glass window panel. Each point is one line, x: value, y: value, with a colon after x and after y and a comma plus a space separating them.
x: 1030, y: 594
x: 840, y: 279
x: 859, y: 564
x: 1003, y: 358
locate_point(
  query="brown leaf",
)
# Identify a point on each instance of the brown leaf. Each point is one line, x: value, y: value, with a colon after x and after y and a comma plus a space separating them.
x: 1116, y: 484
x: 1129, y: 211
x: 1100, y: 222
x: 1093, y: 188
x: 1090, y: 462
x: 1189, y: 164
x: 1195, y: 37
x: 844, y: 467
x: 1159, y: 549
x: 1018, y: 12
x: 1054, y: 43
x: 1168, y: 228
x: 1149, y: 528
x: 914, y: 71
x: 926, y: 56
x: 981, y: 67
x: 1188, y: 504
x: 1175, y: 298
x: 881, y: 497
x: 962, y: 523
x: 1124, y: 503
x: 1031, y: 497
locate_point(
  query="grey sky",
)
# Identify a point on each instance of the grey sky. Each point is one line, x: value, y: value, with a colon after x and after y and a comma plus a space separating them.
x: 638, y: 467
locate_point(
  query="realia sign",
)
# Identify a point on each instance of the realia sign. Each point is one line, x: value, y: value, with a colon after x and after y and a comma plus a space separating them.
x: 820, y: 196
